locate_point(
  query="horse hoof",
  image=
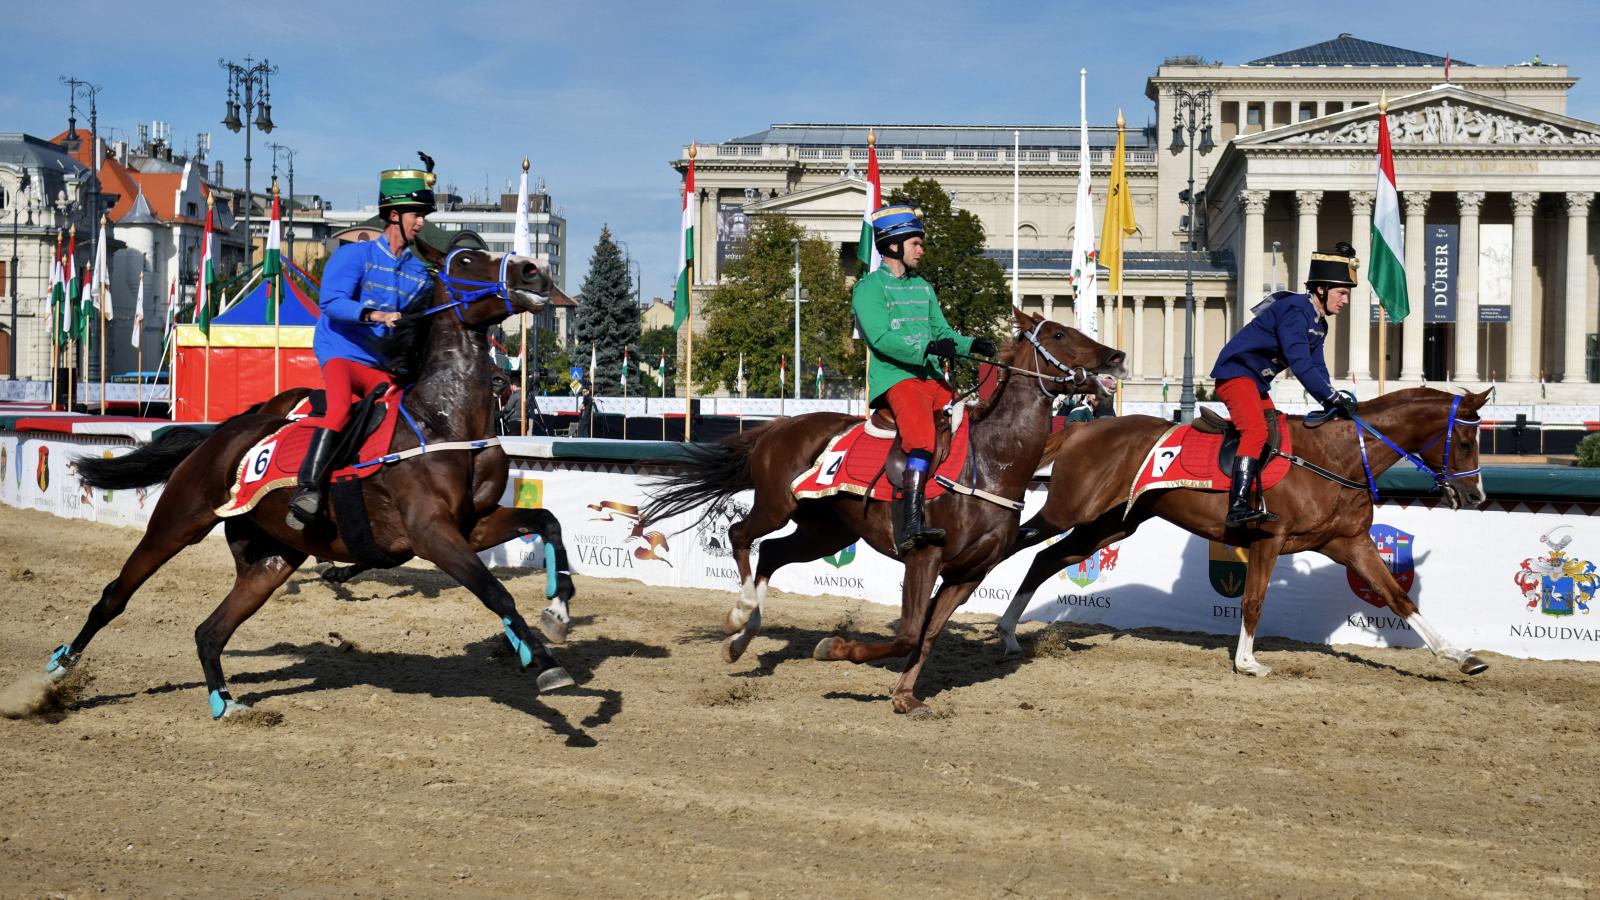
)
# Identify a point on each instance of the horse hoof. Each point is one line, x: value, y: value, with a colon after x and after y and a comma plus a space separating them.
x: 912, y: 708
x: 735, y: 620
x: 1252, y: 668
x: 553, y: 679
x: 823, y: 652
x: 1472, y: 665
x: 734, y: 647
x: 61, y: 661
x: 553, y: 627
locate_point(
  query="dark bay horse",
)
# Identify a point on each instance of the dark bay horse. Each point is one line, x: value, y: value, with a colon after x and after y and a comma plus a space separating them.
x: 1095, y: 464
x: 438, y: 505
x: 1008, y: 436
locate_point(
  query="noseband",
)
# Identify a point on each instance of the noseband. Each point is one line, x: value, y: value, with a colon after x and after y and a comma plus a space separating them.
x: 465, y: 291
x: 1441, y: 478
x: 1073, y: 375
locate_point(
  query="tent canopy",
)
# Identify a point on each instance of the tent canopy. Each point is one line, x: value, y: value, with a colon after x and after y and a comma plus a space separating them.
x: 299, y: 308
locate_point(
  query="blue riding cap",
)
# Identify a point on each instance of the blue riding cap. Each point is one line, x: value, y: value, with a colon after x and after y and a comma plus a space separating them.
x: 896, y: 223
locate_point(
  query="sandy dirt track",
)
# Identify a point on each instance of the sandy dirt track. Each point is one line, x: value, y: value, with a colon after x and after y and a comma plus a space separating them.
x: 409, y: 756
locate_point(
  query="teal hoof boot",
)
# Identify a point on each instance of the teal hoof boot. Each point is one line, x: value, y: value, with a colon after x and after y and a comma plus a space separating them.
x: 553, y: 679
x: 223, y: 705
x: 60, y: 661
x: 523, y: 651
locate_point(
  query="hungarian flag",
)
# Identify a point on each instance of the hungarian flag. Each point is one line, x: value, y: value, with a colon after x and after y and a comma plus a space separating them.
x: 271, y: 262
x: 867, y: 250
x: 819, y: 378
x: 74, y: 287
x: 58, y: 298
x: 1119, y: 214
x: 1388, y: 271
x: 203, y: 298
x: 138, y: 310
x: 1085, y: 265
x: 624, y: 379
x: 172, y: 310
x: 783, y: 369
x: 738, y: 380
x: 102, y: 276
x: 680, y: 297
x: 661, y: 372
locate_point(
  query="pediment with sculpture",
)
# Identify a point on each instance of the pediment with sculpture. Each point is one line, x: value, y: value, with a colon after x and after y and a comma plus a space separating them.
x: 1449, y: 123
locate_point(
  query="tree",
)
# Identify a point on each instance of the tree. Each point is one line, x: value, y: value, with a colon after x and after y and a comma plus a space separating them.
x: 751, y: 313
x: 972, y: 288
x: 608, y: 318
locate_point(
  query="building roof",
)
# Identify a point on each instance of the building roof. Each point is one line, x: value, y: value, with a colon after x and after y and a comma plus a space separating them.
x: 115, y: 178
x: 1348, y: 50
x: 140, y: 213
x: 1212, y: 263
x: 999, y: 136
x: 30, y: 152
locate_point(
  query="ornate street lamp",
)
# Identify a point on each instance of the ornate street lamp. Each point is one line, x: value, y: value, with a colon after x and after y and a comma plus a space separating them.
x: 285, y: 151
x: 243, y: 80
x: 1191, y: 112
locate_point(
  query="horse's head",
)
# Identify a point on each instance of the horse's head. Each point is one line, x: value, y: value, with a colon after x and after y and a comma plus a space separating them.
x: 488, y: 287
x: 1458, y: 452
x: 1059, y: 349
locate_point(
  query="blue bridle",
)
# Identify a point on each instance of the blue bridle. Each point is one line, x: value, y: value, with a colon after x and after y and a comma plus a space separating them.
x: 1441, y: 477
x: 465, y: 291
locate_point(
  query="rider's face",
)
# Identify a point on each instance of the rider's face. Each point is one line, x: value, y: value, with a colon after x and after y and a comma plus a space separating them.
x: 911, y: 252
x: 1335, y: 300
x: 411, y: 224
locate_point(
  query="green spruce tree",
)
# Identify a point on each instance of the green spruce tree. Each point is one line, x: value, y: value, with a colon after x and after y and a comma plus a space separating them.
x: 751, y: 313
x: 972, y: 288
x: 607, y: 319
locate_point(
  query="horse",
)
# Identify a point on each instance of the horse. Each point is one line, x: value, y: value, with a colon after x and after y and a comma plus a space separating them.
x: 1325, y: 502
x: 439, y: 504
x: 555, y: 620
x: 1008, y: 433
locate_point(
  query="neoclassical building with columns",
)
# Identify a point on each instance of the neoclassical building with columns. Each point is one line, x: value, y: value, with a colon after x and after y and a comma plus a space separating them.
x: 1496, y: 184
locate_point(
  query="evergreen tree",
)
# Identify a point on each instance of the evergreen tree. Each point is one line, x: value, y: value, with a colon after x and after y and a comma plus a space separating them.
x: 972, y: 288
x: 607, y: 319
x: 751, y: 312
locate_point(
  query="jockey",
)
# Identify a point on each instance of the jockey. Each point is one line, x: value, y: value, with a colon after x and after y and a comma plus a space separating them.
x: 364, y: 287
x: 900, y: 319
x: 1287, y: 333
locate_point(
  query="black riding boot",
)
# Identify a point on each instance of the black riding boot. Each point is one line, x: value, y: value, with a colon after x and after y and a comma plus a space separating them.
x: 1240, y: 509
x: 307, y: 499
x: 915, y: 531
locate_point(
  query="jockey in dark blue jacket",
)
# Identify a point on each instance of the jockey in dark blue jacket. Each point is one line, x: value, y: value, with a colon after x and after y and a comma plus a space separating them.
x: 364, y: 288
x: 1287, y: 334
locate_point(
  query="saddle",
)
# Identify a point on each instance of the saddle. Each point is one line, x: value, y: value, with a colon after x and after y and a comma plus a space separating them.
x: 365, y: 416
x: 1213, y: 423
x: 881, y: 424
x: 1200, y: 456
x: 866, y: 459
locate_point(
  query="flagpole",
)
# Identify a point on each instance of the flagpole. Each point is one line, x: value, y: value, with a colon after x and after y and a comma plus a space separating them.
x: 624, y: 393
x: 523, y: 245
x: 1116, y: 296
x: 688, y: 318
x: 1016, y: 217
x: 169, y: 343
x: 522, y: 365
x: 1383, y: 347
x: 274, y: 296
x: 138, y: 349
x: 101, y: 305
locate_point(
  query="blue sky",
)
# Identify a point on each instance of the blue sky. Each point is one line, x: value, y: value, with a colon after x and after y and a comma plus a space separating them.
x: 601, y: 95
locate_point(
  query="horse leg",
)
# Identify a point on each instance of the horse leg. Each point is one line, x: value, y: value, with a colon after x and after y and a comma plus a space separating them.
x: 922, y: 568
x: 434, y: 539
x: 342, y: 574
x: 950, y: 597
x: 263, y: 564
x: 766, y: 517
x: 180, y: 518
x: 508, y: 523
x: 1360, y: 556
x: 1072, y: 549
x: 1263, y: 556
x: 817, y: 534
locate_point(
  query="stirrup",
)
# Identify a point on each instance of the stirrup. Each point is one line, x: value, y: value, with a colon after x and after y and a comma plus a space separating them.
x: 303, y: 508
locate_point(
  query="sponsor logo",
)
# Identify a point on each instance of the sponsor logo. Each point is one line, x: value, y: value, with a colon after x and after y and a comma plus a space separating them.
x: 1100, y: 601
x: 1227, y: 569
x: 991, y: 593
x: 717, y: 572
x: 1556, y: 583
x: 527, y: 493
x: 1092, y: 567
x: 1224, y: 612
x: 1555, y: 632
x: 42, y: 475
x: 1395, y: 548
x: 839, y: 581
x: 647, y: 546
x: 712, y: 532
x: 843, y: 558
x: 1374, y: 623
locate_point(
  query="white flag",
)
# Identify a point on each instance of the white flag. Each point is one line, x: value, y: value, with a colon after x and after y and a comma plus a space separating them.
x: 138, y: 310
x: 102, y: 277
x: 1085, y: 265
x: 521, y: 238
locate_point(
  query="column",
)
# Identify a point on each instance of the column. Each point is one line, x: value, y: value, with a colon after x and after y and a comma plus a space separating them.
x: 1254, y: 204
x: 1411, y: 343
x: 1521, y: 339
x: 1577, y: 318
x: 1266, y: 115
x: 1137, y: 368
x: 1466, y: 365
x: 1108, y: 323
x: 1169, y: 328
x: 1307, y: 204
x: 1202, y: 362
x: 1360, y: 315
x: 1049, y: 306
x: 1244, y: 117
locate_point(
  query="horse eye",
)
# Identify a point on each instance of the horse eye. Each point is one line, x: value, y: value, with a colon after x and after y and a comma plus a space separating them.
x: 1061, y: 335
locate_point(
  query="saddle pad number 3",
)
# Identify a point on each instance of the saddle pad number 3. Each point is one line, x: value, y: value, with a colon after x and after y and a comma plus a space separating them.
x: 1162, y: 461
x: 259, y: 462
x: 829, y: 470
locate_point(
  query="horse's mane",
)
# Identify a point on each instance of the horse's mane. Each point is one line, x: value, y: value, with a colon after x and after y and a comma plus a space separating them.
x: 980, y: 410
x: 403, y: 349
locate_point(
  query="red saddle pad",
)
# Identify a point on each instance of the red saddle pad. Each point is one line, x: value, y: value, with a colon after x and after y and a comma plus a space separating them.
x: 274, y: 461
x: 851, y: 462
x: 1186, y: 458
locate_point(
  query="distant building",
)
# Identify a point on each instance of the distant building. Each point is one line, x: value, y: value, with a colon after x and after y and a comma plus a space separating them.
x: 659, y: 314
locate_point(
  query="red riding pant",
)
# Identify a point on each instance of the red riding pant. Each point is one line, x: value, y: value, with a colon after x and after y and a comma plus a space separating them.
x: 1247, y: 407
x: 344, y: 381
x: 914, y: 402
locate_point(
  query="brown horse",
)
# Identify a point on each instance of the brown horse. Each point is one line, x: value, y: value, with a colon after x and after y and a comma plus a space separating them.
x: 1008, y: 436
x: 438, y: 505
x: 1095, y: 463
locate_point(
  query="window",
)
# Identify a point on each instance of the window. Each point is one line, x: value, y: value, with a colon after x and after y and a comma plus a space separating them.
x: 5, y: 279
x: 1253, y: 114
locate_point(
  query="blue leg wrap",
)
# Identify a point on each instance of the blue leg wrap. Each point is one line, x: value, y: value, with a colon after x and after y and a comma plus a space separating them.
x: 549, y: 570
x: 916, y: 464
x: 63, y: 658
x: 219, y: 703
x: 524, y: 652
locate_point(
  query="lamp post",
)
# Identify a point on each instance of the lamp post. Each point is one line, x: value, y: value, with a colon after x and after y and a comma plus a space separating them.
x: 91, y: 92
x: 276, y: 150
x: 1191, y: 111
x: 242, y: 82
x: 16, y: 213
x: 1275, y: 246
x: 800, y: 296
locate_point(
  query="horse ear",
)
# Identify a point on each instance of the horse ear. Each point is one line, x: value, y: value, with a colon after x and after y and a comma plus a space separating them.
x: 1476, y: 401
x: 429, y: 254
x: 1021, y: 320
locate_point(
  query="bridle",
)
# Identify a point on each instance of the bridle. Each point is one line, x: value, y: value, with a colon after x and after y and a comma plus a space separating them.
x: 1441, y: 478
x: 464, y: 292
x: 1071, y: 375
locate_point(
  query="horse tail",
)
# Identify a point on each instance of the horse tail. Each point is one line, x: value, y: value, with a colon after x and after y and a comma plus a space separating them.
x: 711, y: 473
x: 150, y: 464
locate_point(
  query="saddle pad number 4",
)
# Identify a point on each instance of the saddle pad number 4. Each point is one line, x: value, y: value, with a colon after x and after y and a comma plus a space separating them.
x: 1162, y: 461
x: 829, y: 470
x: 259, y: 462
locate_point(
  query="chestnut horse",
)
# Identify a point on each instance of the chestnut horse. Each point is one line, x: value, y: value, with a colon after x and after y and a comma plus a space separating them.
x: 1329, y: 512
x: 1008, y: 433
x: 438, y: 504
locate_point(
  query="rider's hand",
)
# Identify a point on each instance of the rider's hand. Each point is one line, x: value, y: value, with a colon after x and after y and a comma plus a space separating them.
x: 382, y: 317
x: 983, y: 346
x: 1341, y: 403
x: 945, y: 348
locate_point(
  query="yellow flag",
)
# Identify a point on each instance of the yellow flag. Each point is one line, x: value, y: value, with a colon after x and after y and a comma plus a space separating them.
x: 1119, y: 214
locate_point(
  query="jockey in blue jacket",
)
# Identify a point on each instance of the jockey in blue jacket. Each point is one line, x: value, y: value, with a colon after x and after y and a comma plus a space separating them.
x: 364, y: 287
x: 1288, y: 333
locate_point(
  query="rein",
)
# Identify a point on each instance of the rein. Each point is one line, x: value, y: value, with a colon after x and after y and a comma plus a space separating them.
x: 464, y: 291
x: 1074, y: 375
x: 1363, y: 427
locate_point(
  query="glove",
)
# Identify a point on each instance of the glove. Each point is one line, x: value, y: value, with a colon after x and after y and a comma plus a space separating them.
x: 944, y: 348
x: 1341, y: 403
x: 983, y: 346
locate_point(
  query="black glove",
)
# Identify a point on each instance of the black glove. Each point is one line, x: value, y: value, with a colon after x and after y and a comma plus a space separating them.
x: 983, y: 346
x: 1342, y: 403
x: 944, y: 348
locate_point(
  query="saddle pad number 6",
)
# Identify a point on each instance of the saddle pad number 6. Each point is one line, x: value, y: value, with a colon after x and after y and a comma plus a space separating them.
x: 259, y: 462
x: 829, y: 470
x: 1162, y: 461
